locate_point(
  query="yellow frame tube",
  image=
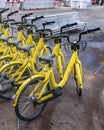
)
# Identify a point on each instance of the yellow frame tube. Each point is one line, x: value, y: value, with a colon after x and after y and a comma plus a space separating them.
x: 78, y: 72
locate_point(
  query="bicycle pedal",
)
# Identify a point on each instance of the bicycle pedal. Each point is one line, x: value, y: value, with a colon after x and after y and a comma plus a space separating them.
x: 57, y: 91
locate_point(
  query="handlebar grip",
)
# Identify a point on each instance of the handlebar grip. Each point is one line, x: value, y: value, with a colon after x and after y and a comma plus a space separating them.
x: 47, y: 23
x: 69, y: 25
x: 12, y: 13
x: 72, y: 24
x: 92, y: 30
x: 26, y: 15
x: 66, y: 26
x: 2, y: 11
x: 36, y: 18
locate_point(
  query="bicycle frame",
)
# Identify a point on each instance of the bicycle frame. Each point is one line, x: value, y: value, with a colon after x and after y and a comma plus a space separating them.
x: 42, y: 88
x: 59, y: 58
x: 10, y: 52
x: 1, y: 29
x: 27, y: 63
x: 2, y: 44
x: 48, y: 75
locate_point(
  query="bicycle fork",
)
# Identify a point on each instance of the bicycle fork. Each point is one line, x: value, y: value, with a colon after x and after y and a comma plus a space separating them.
x: 77, y: 70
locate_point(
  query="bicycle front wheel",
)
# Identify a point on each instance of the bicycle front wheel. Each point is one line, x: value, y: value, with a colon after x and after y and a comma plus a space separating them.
x: 26, y: 108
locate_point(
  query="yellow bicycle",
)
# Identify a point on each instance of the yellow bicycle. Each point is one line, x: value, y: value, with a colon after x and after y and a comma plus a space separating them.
x: 9, y: 50
x: 33, y: 95
x: 19, y: 70
x: 6, y: 32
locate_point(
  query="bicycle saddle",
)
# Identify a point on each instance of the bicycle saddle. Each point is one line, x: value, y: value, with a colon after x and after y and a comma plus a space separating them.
x: 16, y: 42
x: 25, y: 48
x: 5, y: 39
x: 47, y: 59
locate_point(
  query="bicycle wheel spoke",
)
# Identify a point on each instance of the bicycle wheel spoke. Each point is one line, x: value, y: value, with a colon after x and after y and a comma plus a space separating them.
x: 26, y: 109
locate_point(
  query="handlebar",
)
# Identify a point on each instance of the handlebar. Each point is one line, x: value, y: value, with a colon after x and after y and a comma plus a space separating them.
x: 4, y: 10
x: 17, y: 23
x: 66, y: 26
x: 11, y: 13
x: 42, y: 32
x: 26, y: 15
x: 9, y: 20
x: 47, y: 23
x: 36, y: 18
x: 58, y: 36
x: 23, y: 24
x: 29, y: 26
x: 86, y: 32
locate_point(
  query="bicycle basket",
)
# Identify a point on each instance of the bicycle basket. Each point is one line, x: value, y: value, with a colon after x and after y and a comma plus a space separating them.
x: 67, y: 47
x: 82, y: 46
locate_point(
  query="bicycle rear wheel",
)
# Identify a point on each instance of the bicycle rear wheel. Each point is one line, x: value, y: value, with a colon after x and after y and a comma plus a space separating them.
x: 76, y: 78
x: 7, y: 88
x: 4, y: 60
x: 10, y: 68
x: 9, y: 91
x: 26, y: 108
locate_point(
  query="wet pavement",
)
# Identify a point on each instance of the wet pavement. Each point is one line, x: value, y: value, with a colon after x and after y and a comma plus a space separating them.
x: 70, y: 112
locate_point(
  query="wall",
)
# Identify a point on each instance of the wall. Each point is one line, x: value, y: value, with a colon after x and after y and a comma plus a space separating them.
x: 38, y: 4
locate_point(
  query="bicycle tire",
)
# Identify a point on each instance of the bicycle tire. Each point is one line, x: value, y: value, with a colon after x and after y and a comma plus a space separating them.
x: 23, y: 101
x: 8, y: 89
x: 4, y: 60
x: 5, y: 98
x: 10, y: 67
x: 79, y: 90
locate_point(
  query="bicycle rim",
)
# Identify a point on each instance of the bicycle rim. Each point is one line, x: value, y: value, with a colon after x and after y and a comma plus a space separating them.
x: 26, y: 109
x: 7, y: 88
x: 10, y: 68
x: 5, y: 60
